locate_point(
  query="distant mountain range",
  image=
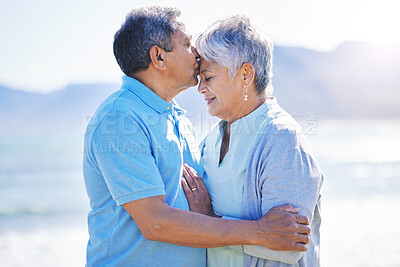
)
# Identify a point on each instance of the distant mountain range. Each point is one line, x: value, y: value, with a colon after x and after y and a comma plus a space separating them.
x: 356, y: 81
x: 64, y: 110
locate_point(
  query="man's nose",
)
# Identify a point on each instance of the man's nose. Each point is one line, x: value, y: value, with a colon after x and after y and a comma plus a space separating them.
x: 196, y: 54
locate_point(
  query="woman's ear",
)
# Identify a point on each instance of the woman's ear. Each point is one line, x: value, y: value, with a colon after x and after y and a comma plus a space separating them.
x: 248, y: 73
x: 157, y: 57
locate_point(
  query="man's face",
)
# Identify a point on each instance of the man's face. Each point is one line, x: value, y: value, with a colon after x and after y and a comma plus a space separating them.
x: 182, y: 64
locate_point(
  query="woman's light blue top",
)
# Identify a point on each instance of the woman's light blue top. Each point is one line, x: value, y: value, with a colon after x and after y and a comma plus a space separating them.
x: 225, y: 181
x: 269, y: 163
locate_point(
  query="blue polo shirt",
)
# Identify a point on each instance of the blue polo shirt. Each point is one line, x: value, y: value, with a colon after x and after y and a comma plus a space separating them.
x: 135, y: 145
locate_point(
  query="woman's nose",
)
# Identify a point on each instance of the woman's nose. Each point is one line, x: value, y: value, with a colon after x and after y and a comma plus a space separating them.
x: 202, y: 89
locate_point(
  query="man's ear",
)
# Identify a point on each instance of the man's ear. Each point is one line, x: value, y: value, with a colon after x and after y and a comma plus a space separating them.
x: 248, y: 73
x: 157, y: 57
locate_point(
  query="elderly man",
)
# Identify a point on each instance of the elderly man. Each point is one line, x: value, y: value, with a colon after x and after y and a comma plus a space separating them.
x: 135, y: 147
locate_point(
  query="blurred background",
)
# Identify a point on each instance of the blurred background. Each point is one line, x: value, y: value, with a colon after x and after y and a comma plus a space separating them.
x: 336, y: 70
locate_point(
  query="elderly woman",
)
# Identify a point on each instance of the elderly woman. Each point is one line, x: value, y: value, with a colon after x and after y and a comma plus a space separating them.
x: 256, y: 157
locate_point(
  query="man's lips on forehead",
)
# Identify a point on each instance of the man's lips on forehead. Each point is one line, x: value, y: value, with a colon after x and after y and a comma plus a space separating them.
x: 197, y: 69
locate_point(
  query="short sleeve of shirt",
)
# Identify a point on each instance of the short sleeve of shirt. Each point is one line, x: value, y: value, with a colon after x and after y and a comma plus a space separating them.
x: 121, y: 150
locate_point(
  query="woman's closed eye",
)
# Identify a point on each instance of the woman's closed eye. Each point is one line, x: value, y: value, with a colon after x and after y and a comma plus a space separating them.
x: 207, y: 78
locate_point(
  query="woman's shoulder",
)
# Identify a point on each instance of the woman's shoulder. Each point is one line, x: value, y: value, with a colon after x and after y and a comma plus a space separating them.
x: 215, y: 132
x: 277, y: 122
x: 279, y: 131
x: 211, y: 137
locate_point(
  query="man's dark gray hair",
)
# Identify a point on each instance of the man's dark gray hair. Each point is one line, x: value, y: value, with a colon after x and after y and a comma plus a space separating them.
x: 143, y: 28
x: 235, y: 40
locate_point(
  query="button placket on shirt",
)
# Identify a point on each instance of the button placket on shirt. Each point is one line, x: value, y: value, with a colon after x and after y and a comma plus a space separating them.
x: 181, y: 138
x: 175, y: 121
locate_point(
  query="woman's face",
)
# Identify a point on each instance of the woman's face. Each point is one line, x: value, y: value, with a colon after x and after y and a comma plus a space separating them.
x: 223, y: 96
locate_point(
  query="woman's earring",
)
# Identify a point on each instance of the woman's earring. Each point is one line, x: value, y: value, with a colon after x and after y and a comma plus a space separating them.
x: 245, y: 95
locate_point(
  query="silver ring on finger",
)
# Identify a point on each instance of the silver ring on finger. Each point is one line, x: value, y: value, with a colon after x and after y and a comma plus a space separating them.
x: 194, y: 189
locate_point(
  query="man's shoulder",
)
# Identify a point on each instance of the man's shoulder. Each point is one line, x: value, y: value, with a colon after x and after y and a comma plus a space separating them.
x: 117, y: 106
x: 122, y: 102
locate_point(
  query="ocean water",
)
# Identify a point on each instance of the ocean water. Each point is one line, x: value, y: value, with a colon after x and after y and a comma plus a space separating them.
x: 361, y: 192
x: 43, y: 203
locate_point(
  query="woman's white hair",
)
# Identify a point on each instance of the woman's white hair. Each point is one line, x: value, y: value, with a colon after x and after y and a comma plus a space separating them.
x: 233, y: 41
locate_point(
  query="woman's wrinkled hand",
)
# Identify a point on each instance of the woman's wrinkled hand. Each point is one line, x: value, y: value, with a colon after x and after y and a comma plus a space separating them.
x: 196, y: 192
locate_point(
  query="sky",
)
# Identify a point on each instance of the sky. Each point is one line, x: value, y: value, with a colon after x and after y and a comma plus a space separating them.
x: 46, y: 44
